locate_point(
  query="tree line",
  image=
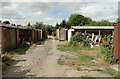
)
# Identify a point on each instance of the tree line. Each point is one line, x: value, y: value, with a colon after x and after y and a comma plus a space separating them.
x: 74, y: 20
x: 80, y: 20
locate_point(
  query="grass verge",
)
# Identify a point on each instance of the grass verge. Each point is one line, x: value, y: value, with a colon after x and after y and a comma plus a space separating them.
x: 8, y: 57
x: 113, y: 73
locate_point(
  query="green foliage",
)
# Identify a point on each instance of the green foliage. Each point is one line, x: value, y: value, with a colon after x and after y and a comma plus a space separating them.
x: 85, y: 58
x: 29, y: 26
x: 60, y: 61
x: 76, y: 19
x: 0, y: 21
x: 19, y: 25
x: 57, y: 26
x: 40, y: 25
x: 107, y: 50
x: 79, y: 38
x: 98, y: 70
x: 74, y: 43
x: 7, y: 57
x: 86, y: 42
x: 100, y: 23
x: 6, y: 22
x: 13, y: 24
x: 50, y: 29
x: 63, y: 24
x: 56, y: 38
x: 23, y: 42
x: 80, y: 20
x: 113, y: 73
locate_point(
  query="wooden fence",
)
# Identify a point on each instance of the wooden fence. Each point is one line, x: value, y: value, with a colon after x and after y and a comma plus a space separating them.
x: 10, y: 37
x: 117, y: 41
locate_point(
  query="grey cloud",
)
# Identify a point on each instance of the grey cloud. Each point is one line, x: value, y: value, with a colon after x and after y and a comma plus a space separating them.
x: 26, y: 11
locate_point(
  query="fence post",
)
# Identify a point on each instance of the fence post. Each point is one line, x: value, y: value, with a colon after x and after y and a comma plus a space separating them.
x: 18, y: 36
x: 117, y: 42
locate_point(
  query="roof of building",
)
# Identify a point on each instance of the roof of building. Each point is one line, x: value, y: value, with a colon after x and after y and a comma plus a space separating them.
x: 93, y: 27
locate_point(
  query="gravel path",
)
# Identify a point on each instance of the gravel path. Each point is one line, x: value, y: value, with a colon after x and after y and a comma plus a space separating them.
x: 41, y: 61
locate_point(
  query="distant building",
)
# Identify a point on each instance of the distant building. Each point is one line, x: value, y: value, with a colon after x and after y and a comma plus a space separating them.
x: 96, y: 32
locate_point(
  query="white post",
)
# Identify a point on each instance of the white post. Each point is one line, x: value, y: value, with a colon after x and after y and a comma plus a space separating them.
x: 95, y: 39
x: 99, y: 33
x: 92, y: 36
x: 112, y: 33
x: 85, y: 32
x: 70, y: 34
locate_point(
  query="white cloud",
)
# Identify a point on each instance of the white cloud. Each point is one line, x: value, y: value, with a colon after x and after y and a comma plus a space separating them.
x: 99, y: 11
x: 61, y: 0
x: 24, y: 12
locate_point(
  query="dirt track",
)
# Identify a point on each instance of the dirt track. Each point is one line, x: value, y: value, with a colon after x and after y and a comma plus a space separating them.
x: 41, y: 61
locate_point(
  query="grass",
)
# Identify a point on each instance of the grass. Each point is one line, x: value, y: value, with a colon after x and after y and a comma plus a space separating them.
x: 56, y: 38
x: 60, y: 61
x: 21, y: 49
x: 8, y: 57
x: 98, y: 70
x: 113, y: 73
x: 64, y: 48
x: 84, y: 58
x: 80, y: 55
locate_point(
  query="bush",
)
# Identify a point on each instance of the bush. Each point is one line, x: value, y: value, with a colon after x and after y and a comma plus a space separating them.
x: 86, y: 42
x: 74, y: 43
x: 78, y: 37
x: 56, y: 38
x: 107, y: 50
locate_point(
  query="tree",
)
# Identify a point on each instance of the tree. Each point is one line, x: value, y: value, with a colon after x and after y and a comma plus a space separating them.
x: 63, y: 24
x: 57, y: 26
x: 49, y: 29
x: 76, y: 19
x: 87, y: 20
x: 13, y: 24
x: 6, y: 22
x: 28, y: 25
x: 19, y: 25
x: 0, y: 21
x: 100, y: 23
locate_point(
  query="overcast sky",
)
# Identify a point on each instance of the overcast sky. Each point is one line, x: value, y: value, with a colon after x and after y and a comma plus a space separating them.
x: 53, y: 11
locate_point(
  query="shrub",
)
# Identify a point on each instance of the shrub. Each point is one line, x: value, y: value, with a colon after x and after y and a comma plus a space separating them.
x: 74, y: 43
x: 107, y: 50
x: 86, y: 42
x: 56, y: 38
x: 75, y: 39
